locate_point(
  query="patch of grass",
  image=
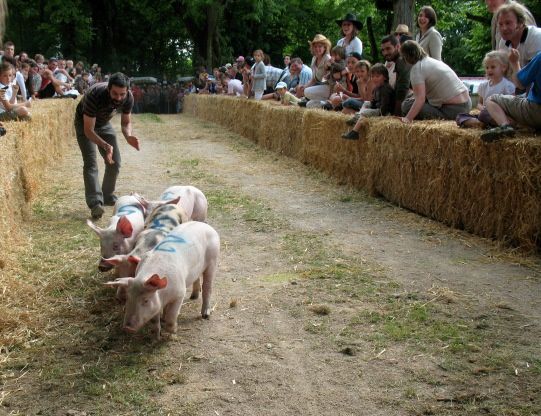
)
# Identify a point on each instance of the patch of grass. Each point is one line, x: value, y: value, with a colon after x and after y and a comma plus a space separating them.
x: 150, y: 118
x: 280, y: 277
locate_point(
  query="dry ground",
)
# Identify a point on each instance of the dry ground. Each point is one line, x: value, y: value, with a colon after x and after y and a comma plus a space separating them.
x: 327, y: 302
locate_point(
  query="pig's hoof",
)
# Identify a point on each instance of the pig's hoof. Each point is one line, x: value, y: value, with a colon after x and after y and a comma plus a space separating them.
x: 205, y: 315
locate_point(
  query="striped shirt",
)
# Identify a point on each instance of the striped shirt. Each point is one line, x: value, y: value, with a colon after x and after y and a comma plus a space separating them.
x: 97, y: 103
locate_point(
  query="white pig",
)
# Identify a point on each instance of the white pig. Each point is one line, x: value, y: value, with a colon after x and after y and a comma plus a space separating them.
x: 189, y: 251
x: 124, y: 226
x: 192, y: 200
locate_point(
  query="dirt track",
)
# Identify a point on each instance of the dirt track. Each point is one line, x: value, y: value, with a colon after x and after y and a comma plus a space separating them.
x: 289, y: 335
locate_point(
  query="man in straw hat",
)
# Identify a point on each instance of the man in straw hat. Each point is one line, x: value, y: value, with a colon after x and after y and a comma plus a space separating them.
x: 317, y: 89
x: 350, y: 29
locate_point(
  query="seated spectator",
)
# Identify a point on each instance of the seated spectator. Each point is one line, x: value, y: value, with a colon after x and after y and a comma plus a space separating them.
x: 9, y: 110
x: 233, y: 85
x: 25, y: 71
x: 247, y: 81
x: 273, y: 76
x: 61, y: 74
x: 19, y: 79
x: 40, y: 60
x: 81, y: 82
x: 507, y: 110
x: 382, y: 103
x: 399, y: 70
x: 286, y: 98
x: 350, y: 29
x: 351, y: 90
x: 516, y: 34
x: 496, y: 65
x: 317, y: 90
x: 299, y: 76
x: 49, y: 84
x: 34, y: 78
x: 428, y: 37
x: 287, y: 61
x: 9, y: 49
x: 364, y: 87
x: 70, y: 69
x: 438, y: 93
x: 493, y: 6
x: 337, y: 84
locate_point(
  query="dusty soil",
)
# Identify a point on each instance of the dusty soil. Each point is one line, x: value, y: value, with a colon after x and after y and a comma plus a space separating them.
x: 286, y: 335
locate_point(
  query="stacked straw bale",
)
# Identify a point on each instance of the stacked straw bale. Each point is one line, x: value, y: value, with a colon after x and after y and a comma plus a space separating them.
x: 26, y: 149
x: 430, y: 167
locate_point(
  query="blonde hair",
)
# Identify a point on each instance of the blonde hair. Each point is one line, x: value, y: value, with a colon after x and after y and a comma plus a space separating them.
x: 502, y: 57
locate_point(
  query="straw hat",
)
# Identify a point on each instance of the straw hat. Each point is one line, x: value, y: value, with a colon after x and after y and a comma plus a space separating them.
x: 319, y: 38
x: 350, y: 17
x: 402, y: 29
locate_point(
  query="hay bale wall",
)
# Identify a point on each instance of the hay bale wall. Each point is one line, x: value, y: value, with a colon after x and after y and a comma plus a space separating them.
x: 24, y: 152
x: 432, y: 167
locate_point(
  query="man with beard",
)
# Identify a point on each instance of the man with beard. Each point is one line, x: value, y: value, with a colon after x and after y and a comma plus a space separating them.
x: 93, y: 128
x: 399, y: 70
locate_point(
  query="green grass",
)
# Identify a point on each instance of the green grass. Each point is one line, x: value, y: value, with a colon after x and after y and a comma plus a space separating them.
x: 150, y: 118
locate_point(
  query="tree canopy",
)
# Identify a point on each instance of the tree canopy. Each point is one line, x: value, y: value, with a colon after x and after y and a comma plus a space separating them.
x: 172, y: 37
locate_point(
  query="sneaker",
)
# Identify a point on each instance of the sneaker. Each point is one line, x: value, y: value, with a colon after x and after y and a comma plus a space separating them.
x: 353, y: 120
x: 351, y: 135
x: 96, y: 212
x: 111, y: 201
x: 498, y: 133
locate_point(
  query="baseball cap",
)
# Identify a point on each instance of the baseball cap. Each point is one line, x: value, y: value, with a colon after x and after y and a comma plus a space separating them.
x: 281, y: 84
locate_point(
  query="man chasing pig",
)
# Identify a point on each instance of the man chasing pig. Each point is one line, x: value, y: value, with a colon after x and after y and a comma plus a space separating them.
x: 93, y: 128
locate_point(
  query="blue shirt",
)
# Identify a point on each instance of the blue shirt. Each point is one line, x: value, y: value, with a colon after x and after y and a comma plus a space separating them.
x: 531, y: 73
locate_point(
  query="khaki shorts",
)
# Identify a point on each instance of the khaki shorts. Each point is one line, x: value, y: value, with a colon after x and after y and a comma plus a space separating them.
x: 9, y: 115
x: 520, y: 109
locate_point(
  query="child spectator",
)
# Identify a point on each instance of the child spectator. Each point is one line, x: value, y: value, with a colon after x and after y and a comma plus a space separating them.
x: 258, y: 75
x: 286, y: 98
x: 9, y: 110
x: 233, y: 85
x: 496, y: 65
x: 382, y: 103
x: 82, y: 82
x: 338, y: 84
x: 365, y: 88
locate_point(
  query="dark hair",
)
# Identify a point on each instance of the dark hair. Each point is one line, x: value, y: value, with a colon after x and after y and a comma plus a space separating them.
x: 9, y: 59
x: 296, y: 60
x: 32, y: 63
x: 430, y: 13
x: 8, y: 43
x: 118, y: 79
x: 337, y: 67
x: 380, y: 69
x: 5, y: 66
x: 355, y: 55
x: 404, y: 38
x: 391, y: 39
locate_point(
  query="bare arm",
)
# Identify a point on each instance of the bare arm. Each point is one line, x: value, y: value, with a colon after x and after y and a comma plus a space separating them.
x: 514, y: 62
x: 419, y: 91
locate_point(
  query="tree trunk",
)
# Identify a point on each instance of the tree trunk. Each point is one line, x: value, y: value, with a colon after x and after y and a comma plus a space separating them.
x: 403, y: 13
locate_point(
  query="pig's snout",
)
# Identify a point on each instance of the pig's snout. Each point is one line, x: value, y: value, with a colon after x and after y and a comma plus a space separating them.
x: 104, y: 266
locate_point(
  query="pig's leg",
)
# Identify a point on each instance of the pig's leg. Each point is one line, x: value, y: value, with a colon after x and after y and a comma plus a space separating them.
x: 170, y: 315
x: 208, y: 277
x: 155, y: 327
x: 196, y: 288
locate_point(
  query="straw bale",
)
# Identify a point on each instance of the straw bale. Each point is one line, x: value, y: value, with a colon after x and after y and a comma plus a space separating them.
x: 430, y: 167
x: 24, y: 152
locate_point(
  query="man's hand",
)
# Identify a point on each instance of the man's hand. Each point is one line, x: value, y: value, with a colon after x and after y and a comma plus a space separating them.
x: 109, y: 155
x: 514, y: 57
x: 133, y: 141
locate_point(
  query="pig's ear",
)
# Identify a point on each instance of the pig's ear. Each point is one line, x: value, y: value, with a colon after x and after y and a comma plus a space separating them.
x: 120, y: 282
x: 155, y: 282
x: 141, y: 200
x: 96, y: 229
x: 124, y: 227
x: 134, y: 259
x: 116, y: 260
x: 173, y: 201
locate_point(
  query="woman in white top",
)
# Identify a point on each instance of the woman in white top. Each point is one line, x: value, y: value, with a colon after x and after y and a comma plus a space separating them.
x: 428, y: 37
x: 438, y: 93
x: 350, y: 28
x: 317, y: 90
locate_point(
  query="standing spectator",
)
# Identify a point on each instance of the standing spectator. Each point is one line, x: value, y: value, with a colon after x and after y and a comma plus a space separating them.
x: 401, y: 30
x: 516, y: 34
x: 438, y: 93
x: 93, y: 128
x: 350, y: 28
x: 317, y: 89
x: 493, y: 6
x: 428, y: 37
x: 9, y: 49
x: 258, y: 75
x: 287, y: 61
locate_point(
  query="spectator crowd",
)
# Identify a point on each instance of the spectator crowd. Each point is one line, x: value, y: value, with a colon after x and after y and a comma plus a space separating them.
x: 412, y: 82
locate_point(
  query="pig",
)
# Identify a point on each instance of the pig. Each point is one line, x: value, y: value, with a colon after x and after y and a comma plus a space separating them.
x: 188, y: 252
x: 159, y: 223
x: 124, y: 226
x: 192, y: 200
